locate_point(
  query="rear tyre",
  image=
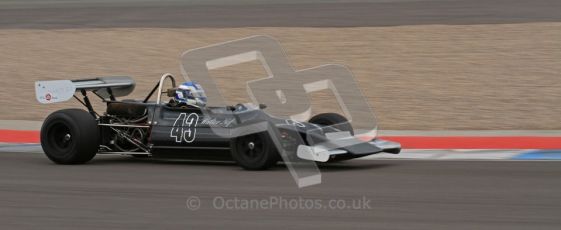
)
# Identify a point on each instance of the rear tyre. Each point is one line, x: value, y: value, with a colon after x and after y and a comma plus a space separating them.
x: 254, y: 152
x: 70, y: 136
x: 334, y: 120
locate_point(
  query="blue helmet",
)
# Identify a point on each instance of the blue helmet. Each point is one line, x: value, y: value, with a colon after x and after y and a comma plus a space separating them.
x: 190, y: 93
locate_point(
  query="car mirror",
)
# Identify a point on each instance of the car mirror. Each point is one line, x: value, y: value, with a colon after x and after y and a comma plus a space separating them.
x: 171, y: 92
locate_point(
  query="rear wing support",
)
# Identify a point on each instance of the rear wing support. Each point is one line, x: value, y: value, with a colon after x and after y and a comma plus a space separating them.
x: 86, y: 103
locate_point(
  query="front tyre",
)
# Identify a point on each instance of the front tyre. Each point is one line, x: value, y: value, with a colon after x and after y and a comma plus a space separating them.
x: 334, y: 120
x: 70, y: 136
x: 254, y: 152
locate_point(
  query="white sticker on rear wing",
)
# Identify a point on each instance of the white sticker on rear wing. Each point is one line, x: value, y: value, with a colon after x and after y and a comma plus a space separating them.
x: 48, y: 92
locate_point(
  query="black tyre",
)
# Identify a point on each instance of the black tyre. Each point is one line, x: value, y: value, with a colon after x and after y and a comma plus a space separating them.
x: 334, y: 120
x: 70, y: 136
x: 254, y: 152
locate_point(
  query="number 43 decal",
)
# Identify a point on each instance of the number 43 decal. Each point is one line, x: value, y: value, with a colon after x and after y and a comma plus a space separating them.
x: 185, y: 127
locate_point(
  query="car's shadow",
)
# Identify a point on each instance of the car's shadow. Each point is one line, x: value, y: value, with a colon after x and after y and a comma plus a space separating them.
x: 354, y: 165
x: 323, y: 167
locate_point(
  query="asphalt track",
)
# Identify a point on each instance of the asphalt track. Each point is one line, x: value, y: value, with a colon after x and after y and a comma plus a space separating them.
x: 52, y: 14
x: 116, y: 192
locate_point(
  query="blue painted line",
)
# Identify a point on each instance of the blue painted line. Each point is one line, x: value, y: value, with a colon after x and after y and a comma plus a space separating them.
x: 21, y: 148
x: 18, y: 145
x: 539, y: 155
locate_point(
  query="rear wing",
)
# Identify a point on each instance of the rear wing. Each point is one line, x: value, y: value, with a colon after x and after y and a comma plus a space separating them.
x: 106, y: 88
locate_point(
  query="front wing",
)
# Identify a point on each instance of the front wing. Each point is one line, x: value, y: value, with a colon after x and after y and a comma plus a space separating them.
x: 346, y: 149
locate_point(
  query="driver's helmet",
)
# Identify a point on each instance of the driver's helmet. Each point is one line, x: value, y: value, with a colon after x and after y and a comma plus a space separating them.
x: 190, y: 93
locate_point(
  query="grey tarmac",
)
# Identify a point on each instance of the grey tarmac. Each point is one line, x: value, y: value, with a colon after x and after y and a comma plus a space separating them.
x: 118, y: 192
x: 30, y: 14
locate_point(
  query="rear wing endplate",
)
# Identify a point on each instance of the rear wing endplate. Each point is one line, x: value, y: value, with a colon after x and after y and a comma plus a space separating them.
x: 107, y: 88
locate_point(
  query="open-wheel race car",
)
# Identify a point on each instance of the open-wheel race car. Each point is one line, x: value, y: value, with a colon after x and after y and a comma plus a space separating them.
x: 175, y: 129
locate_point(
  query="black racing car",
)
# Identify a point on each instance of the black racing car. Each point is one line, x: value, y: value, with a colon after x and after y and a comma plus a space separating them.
x: 144, y: 128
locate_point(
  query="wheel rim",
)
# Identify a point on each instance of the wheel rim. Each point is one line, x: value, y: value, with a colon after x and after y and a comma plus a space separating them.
x: 60, y: 137
x: 251, y: 147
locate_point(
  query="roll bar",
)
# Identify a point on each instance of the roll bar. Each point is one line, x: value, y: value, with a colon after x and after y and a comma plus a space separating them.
x: 159, y: 86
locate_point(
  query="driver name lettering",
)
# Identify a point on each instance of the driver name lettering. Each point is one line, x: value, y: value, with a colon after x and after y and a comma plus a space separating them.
x: 215, y: 122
